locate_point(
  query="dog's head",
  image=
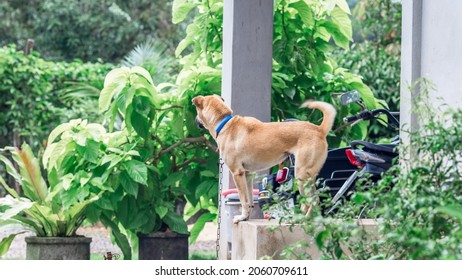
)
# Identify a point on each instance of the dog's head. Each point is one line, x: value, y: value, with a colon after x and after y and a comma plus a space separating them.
x: 211, y: 110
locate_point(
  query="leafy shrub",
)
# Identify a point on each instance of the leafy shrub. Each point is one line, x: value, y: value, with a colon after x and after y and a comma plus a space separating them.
x: 418, y: 205
x: 169, y: 162
x: 52, y: 210
x: 376, y: 55
x: 86, y: 29
x: 31, y: 104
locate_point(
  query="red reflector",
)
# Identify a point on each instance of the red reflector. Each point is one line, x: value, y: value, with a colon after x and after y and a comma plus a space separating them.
x: 352, y: 158
x: 282, y: 175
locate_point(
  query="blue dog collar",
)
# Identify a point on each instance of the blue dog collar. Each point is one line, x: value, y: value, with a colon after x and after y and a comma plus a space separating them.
x: 222, y: 124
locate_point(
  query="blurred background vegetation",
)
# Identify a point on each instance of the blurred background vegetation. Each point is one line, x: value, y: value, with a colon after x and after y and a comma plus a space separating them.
x: 87, y: 29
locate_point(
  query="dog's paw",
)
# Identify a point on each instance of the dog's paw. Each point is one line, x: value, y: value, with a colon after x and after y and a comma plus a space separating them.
x: 240, y: 218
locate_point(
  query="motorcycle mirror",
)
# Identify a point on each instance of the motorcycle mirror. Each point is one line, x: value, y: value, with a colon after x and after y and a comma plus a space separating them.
x: 350, y: 97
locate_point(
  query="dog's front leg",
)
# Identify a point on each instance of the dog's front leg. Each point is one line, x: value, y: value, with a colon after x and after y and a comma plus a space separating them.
x: 241, y: 183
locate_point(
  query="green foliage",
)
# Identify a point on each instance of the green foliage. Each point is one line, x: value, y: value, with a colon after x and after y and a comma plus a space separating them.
x: 32, y: 103
x: 302, y: 68
x: 376, y: 55
x: 169, y: 157
x: 417, y: 203
x: 379, y: 67
x: 57, y: 210
x: 96, y: 162
x: 67, y: 29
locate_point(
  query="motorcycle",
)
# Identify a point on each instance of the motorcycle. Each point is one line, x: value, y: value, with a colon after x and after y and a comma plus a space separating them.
x: 343, y: 169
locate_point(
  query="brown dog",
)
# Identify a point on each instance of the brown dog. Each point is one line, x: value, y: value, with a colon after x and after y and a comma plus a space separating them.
x: 248, y: 145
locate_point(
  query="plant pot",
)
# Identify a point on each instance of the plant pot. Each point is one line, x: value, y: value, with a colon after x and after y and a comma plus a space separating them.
x: 163, y: 246
x: 58, y: 248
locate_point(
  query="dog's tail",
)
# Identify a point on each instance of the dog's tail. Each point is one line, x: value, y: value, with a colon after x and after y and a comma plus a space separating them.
x: 327, y: 109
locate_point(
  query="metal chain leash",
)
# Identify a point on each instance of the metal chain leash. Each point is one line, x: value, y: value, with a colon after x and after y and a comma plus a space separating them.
x: 220, y: 185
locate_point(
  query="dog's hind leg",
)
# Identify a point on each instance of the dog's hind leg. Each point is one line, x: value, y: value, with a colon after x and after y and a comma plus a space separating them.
x: 306, y: 179
x: 240, y: 180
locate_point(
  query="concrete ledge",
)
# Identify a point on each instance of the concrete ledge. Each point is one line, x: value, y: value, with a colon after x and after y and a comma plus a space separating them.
x: 255, y: 239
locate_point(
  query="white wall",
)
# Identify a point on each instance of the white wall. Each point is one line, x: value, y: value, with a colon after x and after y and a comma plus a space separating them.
x: 431, y: 48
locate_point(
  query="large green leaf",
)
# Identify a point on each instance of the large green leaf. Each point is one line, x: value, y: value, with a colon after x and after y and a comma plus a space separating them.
x: 120, y: 239
x: 199, y: 225
x: 128, y: 184
x: 161, y: 211
x: 126, y: 209
x: 186, y: 42
x: 343, y: 21
x: 143, y: 73
x: 178, y: 125
x: 6, y: 243
x: 54, y: 152
x: 15, y: 206
x: 141, y: 124
x: 114, y: 83
x: 45, y: 217
x: 137, y: 170
x: 139, y: 220
x: 172, y: 179
x: 90, y: 151
x: 334, y: 29
x: 343, y: 5
x: 180, y: 9
x: 31, y: 224
x: 175, y: 222
x: 58, y: 131
x: 305, y: 12
x: 10, y: 169
x: 11, y: 191
x: 204, y: 187
x: 75, y: 215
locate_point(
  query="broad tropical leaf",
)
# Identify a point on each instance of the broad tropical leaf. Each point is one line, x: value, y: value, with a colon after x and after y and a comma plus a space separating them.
x: 75, y: 215
x: 180, y: 9
x: 10, y: 168
x: 137, y: 170
x: 11, y: 191
x: 14, y: 206
x: 6, y: 243
x: 114, y: 83
x: 143, y: 73
x: 34, y: 185
x: 175, y: 222
x: 305, y: 12
x: 120, y: 239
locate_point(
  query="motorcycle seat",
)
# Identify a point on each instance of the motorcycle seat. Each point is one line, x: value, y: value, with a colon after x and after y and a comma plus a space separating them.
x: 384, y: 148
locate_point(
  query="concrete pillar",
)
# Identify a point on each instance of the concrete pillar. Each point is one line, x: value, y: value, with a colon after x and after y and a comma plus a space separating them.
x: 247, y: 63
x: 411, y: 47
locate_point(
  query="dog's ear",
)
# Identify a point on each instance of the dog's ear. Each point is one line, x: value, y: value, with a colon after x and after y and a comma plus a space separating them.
x: 198, y: 101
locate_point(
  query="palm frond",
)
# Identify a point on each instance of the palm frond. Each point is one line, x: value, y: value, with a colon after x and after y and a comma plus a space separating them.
x: 153, y: 56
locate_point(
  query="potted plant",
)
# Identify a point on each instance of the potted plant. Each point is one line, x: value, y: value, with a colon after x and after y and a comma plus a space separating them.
x: 49, y: 212
x: 79, y: 159
x: 151, y: 185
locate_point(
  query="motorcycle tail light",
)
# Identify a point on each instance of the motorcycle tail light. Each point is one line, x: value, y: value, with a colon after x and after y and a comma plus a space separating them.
x: 352, y: 158
x: 282, y: 175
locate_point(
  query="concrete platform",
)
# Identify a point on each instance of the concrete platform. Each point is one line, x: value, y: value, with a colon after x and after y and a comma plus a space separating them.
x: 255, y: 239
